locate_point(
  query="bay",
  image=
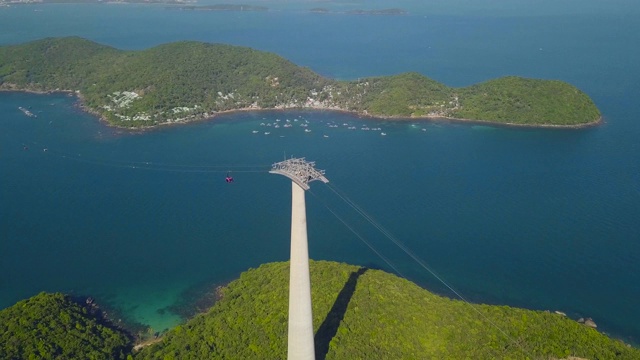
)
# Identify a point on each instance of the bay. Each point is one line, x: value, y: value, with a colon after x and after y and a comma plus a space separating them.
x: 541, y: 219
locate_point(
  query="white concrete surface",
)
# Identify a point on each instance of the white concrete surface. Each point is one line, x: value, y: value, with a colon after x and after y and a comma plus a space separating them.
x: 300, y: 341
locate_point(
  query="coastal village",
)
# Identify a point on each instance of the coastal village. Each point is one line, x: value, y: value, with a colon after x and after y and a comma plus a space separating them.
x: 330, y: 97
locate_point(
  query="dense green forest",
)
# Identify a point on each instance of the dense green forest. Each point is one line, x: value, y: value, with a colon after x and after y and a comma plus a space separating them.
x: 358, y: 313
x: 186, y: 81
x: 500, y: 99
x: 52, y: 326
x: 369, y: 314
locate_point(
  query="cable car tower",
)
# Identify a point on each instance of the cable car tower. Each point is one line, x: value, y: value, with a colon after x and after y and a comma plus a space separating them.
x: 300, y: 340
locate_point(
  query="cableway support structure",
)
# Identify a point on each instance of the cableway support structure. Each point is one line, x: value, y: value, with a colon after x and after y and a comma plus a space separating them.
x: 300, y: 345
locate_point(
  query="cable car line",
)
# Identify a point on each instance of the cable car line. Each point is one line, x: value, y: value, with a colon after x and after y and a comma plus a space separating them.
x: 410, y: 253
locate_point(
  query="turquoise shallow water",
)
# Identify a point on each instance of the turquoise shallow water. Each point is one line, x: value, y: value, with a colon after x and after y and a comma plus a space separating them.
x: 535, y: 218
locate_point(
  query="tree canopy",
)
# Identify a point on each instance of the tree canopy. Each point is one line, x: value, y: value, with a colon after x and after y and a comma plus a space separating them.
x: 188, y: 80
x: 358, y: 313
x: 52, y: 326
x: 361, y: 313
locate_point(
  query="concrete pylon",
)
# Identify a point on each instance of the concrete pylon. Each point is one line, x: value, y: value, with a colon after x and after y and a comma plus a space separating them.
x: 300, y: 339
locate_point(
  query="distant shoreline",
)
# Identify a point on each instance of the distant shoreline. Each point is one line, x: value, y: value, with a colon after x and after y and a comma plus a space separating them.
x: 95, y: 2
x: 434, y: 118
x: 209, y: 117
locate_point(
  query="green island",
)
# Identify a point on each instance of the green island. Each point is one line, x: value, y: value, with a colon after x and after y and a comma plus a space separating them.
x: 186, y: 81
x: 358, y: 313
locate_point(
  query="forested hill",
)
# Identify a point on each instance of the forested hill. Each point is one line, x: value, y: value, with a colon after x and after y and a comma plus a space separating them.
x: 186, y: 81
x: 358, y: 313
x: 361, y: 313
x: 52, y: 326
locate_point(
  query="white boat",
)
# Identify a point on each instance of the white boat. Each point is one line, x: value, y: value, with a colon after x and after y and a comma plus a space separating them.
x: 383, y: 134
x: 267, y: 133
x: 27, y: 112
x: 307, y: 130
x: 255, y: 131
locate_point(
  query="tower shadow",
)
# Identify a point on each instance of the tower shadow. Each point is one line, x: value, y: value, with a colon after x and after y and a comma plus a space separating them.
x: 330, y: 325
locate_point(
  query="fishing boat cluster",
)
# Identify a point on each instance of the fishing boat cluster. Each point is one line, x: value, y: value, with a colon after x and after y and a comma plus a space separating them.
x: 304, y: 123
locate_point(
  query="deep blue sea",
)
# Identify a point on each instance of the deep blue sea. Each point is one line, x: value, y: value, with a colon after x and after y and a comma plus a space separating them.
x: 541, y: 219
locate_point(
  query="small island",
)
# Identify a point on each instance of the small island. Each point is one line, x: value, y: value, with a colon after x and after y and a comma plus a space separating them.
x: 222, y: 7
x: 320, y: 10
x: 394, y: 11
x: 186, y: 81
x: 358, y: 313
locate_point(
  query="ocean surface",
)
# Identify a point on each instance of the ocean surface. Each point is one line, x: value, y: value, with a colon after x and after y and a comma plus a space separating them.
x: 541, y: 219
